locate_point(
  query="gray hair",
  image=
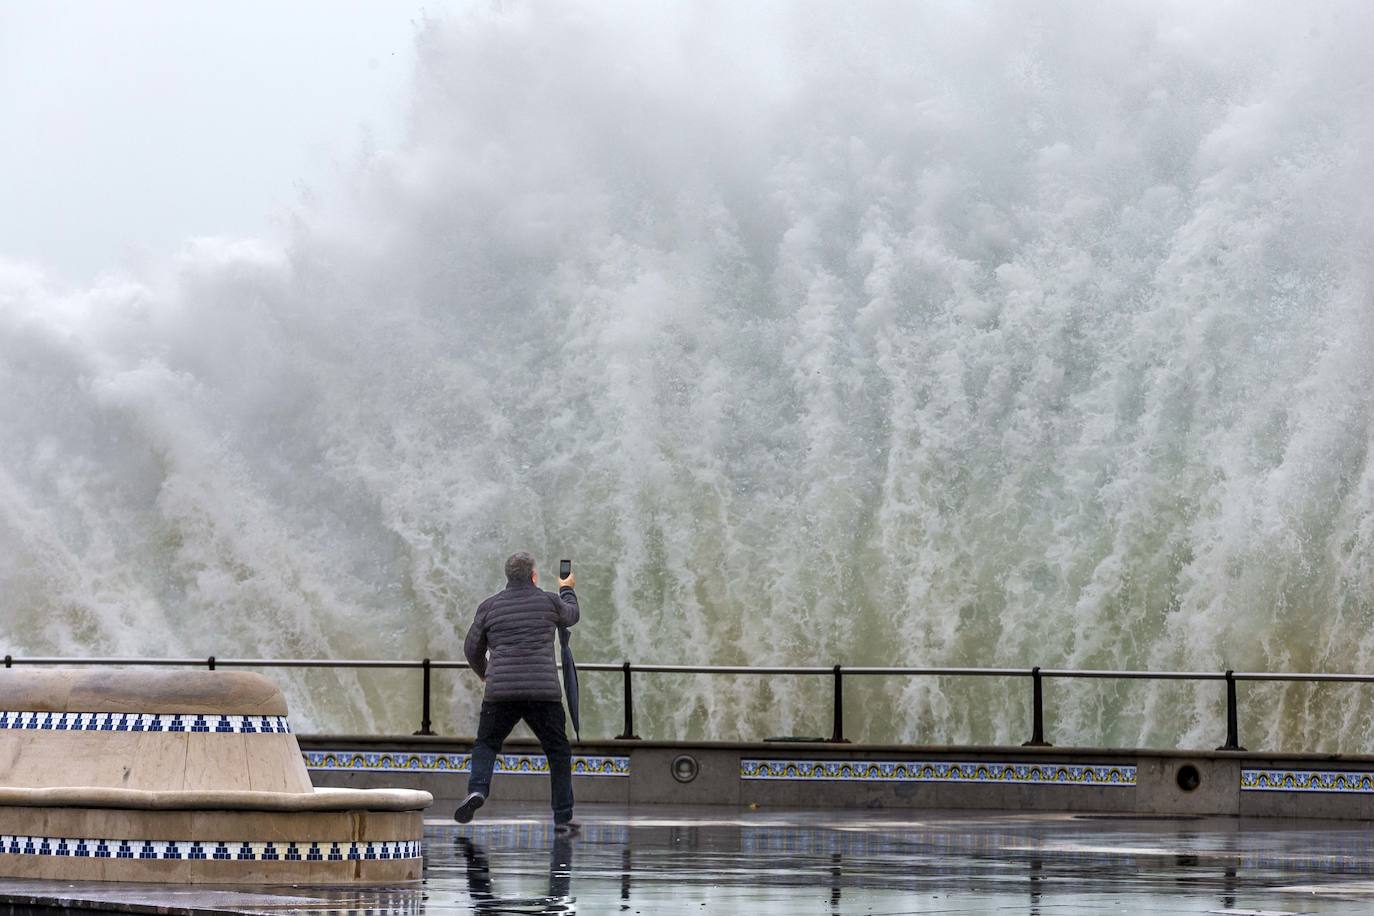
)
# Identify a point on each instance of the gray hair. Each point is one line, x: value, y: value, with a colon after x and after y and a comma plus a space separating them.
x: 520, y: 567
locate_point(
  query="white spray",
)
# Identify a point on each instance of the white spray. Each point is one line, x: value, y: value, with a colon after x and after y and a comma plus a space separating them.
x: 897, y: 334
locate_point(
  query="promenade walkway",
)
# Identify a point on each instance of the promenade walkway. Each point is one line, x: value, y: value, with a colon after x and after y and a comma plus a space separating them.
x: 661, y: 860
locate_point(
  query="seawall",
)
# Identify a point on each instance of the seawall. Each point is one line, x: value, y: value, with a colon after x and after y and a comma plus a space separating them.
x: 1140, y: 782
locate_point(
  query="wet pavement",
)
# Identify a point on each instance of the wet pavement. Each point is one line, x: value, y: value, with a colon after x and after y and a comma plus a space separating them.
x: 658, y: 860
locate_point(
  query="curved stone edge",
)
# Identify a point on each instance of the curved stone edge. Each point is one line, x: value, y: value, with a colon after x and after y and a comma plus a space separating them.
x: 140, y: 691
x: 140, y: 800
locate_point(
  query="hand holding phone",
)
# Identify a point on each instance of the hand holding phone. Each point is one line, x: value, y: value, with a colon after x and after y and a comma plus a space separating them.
x: 565, y: 575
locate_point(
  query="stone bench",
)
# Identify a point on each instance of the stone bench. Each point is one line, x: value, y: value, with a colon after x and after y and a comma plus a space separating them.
x: 183, y: 777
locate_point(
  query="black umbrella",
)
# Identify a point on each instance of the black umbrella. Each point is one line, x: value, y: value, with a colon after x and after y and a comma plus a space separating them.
x: 570, y: 679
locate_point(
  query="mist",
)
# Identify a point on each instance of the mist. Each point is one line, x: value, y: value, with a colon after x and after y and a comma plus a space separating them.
x: 975, y: 334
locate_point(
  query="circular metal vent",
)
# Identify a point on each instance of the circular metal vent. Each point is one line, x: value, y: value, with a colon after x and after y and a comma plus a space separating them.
x: 1188, y: 777
x: 685, y: 768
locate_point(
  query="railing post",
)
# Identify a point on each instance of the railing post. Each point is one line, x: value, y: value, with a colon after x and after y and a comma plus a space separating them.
x: 629, y: 734
x: 1037, y: 712
x: 837, y: 726
x: 424, y: 702
x: 211, y: 662
x: 1232, y: 716
x: 9, y: 661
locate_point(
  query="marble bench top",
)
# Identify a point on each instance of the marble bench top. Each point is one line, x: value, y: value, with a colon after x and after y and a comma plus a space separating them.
x: 218, y: 800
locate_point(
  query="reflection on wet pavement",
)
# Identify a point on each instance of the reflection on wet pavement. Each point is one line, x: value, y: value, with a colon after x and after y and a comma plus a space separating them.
x: 655, y: 860
x: 659, y: 860
x: 483, y: 894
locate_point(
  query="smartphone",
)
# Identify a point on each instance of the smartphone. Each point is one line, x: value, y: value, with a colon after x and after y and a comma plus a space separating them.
x: 564, y: 568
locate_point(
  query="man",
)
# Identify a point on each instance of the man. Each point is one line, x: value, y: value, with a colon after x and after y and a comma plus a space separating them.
x: 518, y: 627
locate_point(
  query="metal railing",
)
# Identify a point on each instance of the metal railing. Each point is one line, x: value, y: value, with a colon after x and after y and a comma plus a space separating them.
x: 837, y: 673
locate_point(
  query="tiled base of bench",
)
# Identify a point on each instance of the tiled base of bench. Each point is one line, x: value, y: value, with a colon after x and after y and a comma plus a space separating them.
x: 211, y: 847
x: 220, y: 851
x: 212, y: 871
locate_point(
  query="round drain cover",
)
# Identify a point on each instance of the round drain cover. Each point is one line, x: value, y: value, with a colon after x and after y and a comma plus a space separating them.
x: 685, y: 768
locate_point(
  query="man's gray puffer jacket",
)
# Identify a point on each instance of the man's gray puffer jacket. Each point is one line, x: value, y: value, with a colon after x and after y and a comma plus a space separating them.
x: 519, y: 626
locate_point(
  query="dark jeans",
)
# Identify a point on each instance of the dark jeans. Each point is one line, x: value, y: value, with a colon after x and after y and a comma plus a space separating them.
x: 545, y: 719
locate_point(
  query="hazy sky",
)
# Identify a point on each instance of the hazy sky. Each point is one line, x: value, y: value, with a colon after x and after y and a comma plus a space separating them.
x: 127, y: 127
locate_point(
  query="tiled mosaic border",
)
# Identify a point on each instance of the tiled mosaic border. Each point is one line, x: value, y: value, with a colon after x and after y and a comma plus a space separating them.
x: 402, y: 762
x: 208, y: 850
x: 1338, y: 781
x: 1051, y: 774
x: 143, y: 722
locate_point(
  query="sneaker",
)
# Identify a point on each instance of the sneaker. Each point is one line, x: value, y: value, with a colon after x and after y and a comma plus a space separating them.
x: 567, y: 828
x: 469, y: 807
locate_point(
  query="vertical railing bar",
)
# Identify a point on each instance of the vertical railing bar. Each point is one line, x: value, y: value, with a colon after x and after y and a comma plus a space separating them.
x: 1037, y: 711
x: 837, y: 723
x: 1232, y: 716
x: 629, y: 704
x: 425, y: 721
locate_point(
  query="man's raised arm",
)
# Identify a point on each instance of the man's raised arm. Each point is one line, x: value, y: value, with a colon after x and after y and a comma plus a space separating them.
x: 566, y: 605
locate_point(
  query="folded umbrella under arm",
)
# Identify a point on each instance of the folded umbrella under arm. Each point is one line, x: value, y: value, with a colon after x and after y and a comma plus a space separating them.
x: 570, y: 679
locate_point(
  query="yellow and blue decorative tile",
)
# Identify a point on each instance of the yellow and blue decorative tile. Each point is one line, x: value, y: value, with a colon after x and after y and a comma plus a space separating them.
x: 1307, y: 781
x: 1055, y: 774
x: 403, y: 762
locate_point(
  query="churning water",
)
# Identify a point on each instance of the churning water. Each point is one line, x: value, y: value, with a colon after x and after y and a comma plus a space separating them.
x: 969, y: 333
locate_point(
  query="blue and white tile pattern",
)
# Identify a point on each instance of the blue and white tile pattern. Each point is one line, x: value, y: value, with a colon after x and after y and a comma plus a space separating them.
x: 143, y: 722
x: 325, y: 851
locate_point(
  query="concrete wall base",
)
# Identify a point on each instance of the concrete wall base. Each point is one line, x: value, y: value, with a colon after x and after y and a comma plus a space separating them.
x: 1106, y: 780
